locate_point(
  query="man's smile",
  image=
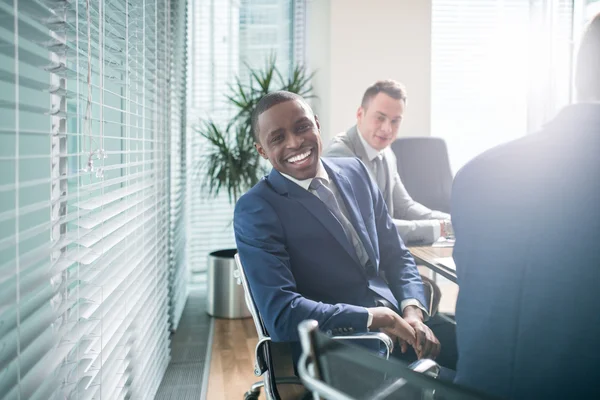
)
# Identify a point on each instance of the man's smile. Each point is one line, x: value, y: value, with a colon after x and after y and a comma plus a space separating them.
x: 298, y: 159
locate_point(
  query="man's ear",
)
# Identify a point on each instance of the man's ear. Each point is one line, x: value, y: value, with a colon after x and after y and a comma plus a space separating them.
x: 318, y: 124
x: 260, y: 150
x: 360, y: 113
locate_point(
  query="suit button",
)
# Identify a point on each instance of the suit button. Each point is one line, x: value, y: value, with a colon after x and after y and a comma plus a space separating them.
x: 370, y: 269
x: 329, y: 332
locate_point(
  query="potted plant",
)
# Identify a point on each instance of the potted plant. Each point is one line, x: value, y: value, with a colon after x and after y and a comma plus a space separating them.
x: 233, y: 164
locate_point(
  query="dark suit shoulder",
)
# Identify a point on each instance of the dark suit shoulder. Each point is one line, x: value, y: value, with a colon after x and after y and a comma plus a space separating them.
x: 513, y: 159
x: 257, y: 194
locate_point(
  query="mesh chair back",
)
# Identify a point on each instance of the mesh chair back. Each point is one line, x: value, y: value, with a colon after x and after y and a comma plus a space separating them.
x: 425, y: 171
x: 258, y: 322
x: 272, y: 360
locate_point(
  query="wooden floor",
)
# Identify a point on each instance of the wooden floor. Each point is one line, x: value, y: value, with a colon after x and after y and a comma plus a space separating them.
x: 232, y: 361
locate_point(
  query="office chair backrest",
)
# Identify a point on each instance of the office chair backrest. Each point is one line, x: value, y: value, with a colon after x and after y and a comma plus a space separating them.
x: 272, y: 360
x: 258, y: 322
x: 425, y: 171
x: 340, y: 371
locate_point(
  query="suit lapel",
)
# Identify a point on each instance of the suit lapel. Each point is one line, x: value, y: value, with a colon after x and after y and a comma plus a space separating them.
x: 345, y: 188
x: 376, y: 283
x: 314, y: 206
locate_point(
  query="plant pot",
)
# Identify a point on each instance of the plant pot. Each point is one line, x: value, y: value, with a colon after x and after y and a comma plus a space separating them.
x: 225, y: 295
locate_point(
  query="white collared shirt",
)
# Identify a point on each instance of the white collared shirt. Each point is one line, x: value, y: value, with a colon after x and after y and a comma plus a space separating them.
x: 371, y: 152
x: 305, y: 183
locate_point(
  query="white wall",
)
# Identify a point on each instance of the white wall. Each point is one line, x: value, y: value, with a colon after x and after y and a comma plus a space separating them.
x: 353, y: 43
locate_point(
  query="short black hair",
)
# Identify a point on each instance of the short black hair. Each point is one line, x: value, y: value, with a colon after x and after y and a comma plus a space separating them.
x: 269, y: 100
x: 392, y: 88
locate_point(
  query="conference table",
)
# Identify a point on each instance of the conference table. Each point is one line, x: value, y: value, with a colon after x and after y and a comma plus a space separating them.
x: 438, y: 259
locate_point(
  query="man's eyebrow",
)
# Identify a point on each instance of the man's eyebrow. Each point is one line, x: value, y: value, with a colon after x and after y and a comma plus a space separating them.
x: 275, y: 132
x: 302, y: 119
x: 383, y: 114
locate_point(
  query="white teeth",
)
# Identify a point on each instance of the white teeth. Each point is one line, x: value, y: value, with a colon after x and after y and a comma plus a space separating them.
x: 299, y: 157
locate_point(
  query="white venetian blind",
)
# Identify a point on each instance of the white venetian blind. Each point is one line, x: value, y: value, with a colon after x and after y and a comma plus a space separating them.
x: 84, y: 197
x: 299, y: 31
x: 178, y: 120
x: 223, y: 36
x: 500, y: 69
x: 213, y: 49
x: 479, y: 74
x: 551, y: 58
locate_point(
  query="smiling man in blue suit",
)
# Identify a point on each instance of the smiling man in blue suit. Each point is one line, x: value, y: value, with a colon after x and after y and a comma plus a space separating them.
x: 317, y: 242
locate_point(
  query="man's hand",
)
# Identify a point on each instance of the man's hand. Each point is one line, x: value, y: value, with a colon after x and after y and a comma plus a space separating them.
x: 393, y: 325
x: 446, y: 229
x: 427, y: 345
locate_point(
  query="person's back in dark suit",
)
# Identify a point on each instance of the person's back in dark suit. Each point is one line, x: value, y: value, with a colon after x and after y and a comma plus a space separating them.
x: 529, y: 300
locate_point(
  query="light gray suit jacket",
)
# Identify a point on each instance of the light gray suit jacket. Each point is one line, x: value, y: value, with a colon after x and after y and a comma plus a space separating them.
x: 415, y: 222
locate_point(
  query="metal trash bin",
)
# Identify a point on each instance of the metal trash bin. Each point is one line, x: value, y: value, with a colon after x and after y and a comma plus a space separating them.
x: 225, y: 295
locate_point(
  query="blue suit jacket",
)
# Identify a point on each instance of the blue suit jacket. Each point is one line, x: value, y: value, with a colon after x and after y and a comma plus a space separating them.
x: 527, y: 222
x: 299, y: 262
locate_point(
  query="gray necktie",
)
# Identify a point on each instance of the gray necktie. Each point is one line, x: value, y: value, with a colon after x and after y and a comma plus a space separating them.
x: 327, y: 197
x: 380, y: 175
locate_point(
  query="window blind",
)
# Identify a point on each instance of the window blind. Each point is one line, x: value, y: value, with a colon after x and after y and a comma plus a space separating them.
x: 84, y: 197
x: 479, y: 74
x: 299, y: 32
x: 177, y: 114
x: 551, y: 58
x: 500, y: 69
x: 214, y: 49
x: 224, y: 35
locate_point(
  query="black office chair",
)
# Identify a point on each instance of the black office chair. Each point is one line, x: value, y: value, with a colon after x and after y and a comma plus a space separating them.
x: 274, y: 360
x: 339, y: 371
x: 425, y: 171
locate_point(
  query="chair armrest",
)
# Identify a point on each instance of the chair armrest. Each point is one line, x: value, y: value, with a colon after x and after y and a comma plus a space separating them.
x: 260, y: 364
x: 380, y: 336
x: 426, y: 366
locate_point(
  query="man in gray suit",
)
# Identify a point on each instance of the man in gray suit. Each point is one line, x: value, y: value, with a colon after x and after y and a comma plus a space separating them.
x: 377, y: 122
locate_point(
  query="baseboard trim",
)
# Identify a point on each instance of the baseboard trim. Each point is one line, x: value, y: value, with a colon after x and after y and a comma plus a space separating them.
x: 206, y: 372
